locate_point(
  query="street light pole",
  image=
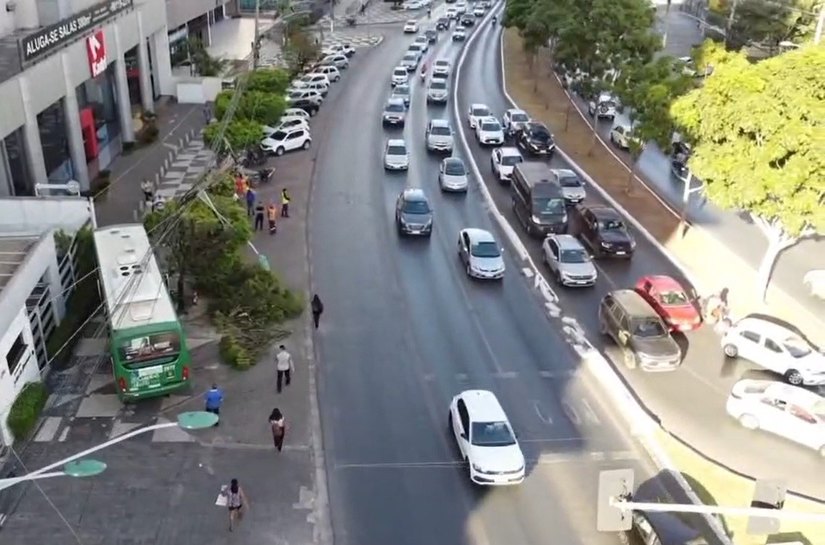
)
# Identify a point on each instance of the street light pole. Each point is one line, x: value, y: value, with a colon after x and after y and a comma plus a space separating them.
x: 716, y: 510
x: 256, y: 44
x: 820, y: 23
x: 188, y: 421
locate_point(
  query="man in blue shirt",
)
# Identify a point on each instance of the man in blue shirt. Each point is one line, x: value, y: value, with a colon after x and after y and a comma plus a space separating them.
x: 214, y: 399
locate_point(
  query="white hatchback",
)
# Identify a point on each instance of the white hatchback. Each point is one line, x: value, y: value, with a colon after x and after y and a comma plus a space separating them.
x: 287, y: 140
x: 503, y: 161
x: 400, y: 76
x: 410, y: 27
x: 286, y: 123
x: 489, y: 131
x: 396, y: 155
x: 776, y: 348
x: 329, y: 71
x: 295, y: 112
x: 486, y: 439
x: 790, y: 412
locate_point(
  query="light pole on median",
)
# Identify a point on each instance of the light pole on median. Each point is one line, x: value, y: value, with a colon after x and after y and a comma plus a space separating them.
x: 686, y: 193
x: 79, y: 466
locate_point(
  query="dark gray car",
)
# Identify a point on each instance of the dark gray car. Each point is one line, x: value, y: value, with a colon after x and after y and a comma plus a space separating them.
x: 640, y: 333
x: 413, y: 213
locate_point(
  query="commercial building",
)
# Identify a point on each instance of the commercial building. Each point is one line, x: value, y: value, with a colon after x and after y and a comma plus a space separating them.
x: 37, y: 274
x: 194, y: 19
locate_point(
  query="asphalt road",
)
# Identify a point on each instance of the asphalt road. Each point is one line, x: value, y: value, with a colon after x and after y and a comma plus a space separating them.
x: 404, y: 330
x: 689, y: 402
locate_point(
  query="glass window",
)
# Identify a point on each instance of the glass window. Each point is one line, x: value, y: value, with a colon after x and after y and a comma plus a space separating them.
x: 772, y: 346
x: 137, y: 351
x: 749, y: 335
x: 485, y: 249
x: 99, y: 95
x: 52, y: 127
x: 16, y: 353
x: 18, y: 168
x: 492, y: 434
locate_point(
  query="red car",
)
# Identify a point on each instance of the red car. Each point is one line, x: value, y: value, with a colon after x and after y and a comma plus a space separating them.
x: 670, y: 301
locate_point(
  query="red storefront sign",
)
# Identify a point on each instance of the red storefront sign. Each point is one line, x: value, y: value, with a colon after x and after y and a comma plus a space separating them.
x: 96, y: 48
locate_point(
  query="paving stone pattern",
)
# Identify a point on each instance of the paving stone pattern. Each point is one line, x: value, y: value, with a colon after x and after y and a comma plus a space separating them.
x: 272, y: 53
x: 185, y: 170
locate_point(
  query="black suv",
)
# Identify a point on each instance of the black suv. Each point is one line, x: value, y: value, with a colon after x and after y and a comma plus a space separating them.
x: 432, y: 36
x: 602, y: 229
x: 306, y: 105
x: 413, y: 213
x: 443, y: 23
x: 468, y: 20
x: 634, y: 325
x: 536, y: 138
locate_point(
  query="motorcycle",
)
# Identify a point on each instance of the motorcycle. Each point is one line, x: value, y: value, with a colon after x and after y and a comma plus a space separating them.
x: 678, y: 160
x: 254, y: 158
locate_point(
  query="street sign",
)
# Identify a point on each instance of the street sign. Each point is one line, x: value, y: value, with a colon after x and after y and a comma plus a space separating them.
x: 616, y: 484
x: 767, y: 494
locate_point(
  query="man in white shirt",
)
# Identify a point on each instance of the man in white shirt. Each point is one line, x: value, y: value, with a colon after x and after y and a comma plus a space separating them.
x: 284, y: 366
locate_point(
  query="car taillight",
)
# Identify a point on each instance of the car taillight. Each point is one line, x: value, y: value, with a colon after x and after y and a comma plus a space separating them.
x: 185, y: 373
x: 121, y: 383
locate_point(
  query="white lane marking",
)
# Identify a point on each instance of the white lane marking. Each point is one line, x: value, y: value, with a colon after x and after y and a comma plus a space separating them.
x: 462, y: 377
x: 589, y: 413
x: 506, y: 374
x: 571, y: 413
x: 546, y: 419
x: 547, y: 458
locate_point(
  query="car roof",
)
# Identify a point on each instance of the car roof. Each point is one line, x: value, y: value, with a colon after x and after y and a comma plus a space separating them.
x: 564, y: 172
x: 488, y: 119
x: 516, y: 111
x: 479, y: 235
x: 663, y: 282
x: 567, y: 242
x: 411, y: 22
x: 400, y: 69
x: 509, y: 150
x: 793, y: 394
x: 396, y: 142
x: 395, y: 100
x: 453, y: 160
x: 414, y: 194
x: 604, y: 212
x: 478, y: 105
x: 442, y: 61
x: 633, y: 303
x: 767, y: 327
x: 530, y: 125
x: 440, y: 123
x: 483, y: 406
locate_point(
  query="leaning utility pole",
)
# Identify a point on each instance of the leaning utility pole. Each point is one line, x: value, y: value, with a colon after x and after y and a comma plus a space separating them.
x: 256, y: 45
x: 820, y: 23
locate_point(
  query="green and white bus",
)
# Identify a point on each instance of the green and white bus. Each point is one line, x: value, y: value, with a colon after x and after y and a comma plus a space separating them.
x: 147, y: 344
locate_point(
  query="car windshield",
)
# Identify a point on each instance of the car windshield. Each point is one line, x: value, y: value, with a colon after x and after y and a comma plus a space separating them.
x: 400, y: 72
x: 485, y: 249
x: 411, y: 57
x: 416, y: 207
x: 796, y: 347
x: 492, y: 434
x: 296, y: 94
x: 438, y: 84
x: 511, y: 160
x: 393, y: 107
x: 491, y: 126
x: 611, y: 225
x: 481, y: 112
x: 278, y: 135
x: 674, y: 297
x: 648, y: 328
x: 577, y: 255
x: 548, y: 206
x: 442, y: 64
x: 540, y: 133
x: 401, y: 90
x: 397, y: 150
x: 439, y: 130
x: 455, y: 168
x: 519, y: 117
x: 570, y: 181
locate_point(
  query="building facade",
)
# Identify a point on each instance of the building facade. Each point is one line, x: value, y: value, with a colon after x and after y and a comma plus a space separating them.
x: 74, y: 76
x: 194, y: 19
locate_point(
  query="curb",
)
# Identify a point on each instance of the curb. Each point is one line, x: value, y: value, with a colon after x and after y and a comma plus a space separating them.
x: 640, y: 422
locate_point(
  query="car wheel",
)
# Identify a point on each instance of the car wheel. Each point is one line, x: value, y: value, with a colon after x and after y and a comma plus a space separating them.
x: 279, y: 151
x: 450, y: 422
x: 794, y: 377
x: 307, y: 143
x: 749, y: 422
x: 730, y: 350
x: 630, y: 359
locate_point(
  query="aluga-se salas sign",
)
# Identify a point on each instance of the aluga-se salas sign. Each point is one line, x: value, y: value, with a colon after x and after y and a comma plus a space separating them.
x: 49, y: 38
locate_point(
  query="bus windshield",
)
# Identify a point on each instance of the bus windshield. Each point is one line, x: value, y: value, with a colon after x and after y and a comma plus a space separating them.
x: 149, y: 349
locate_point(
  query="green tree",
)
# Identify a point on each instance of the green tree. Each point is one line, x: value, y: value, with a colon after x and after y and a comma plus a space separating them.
x: 300, y: 51
x: 262, y: 107
x: 648, y: 92
x: 241, y: 134
x: 769, y: 22
x: 758, y: 132
x: 205, y: 65
x: 268, y: 80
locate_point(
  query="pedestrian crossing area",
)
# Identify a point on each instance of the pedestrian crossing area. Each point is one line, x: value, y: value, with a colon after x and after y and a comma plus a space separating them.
x: 272, y: 51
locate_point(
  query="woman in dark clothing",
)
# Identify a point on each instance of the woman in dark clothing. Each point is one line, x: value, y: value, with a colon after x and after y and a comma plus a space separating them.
x: 317, y: 309
x: 235, y: 501
x: 278, y: 426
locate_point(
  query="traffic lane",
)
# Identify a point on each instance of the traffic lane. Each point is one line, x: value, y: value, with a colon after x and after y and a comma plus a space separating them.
x: 689, y: 401
x: 736, y: 231
x: 405, y: 374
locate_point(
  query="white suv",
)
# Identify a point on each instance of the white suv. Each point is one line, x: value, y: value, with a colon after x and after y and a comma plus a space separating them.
x: 396, y: 155
x: 439, y: 136
x: 603, y: 105
x: 441, y: 67
x: 489, y: 132
x: 476, y: 112
x: 776, y: 348
x: 287, y: 140
x: 400, y: 76
x: 437, y: 91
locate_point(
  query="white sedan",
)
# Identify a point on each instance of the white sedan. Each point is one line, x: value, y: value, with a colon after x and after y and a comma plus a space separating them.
x: 622, y: 136
x: 295, y: 112
x: 486, y: 439
x: 287, y: 140
x: 776, y: 348
x: 410, y: 27
x: 480, y: 254
x: 476, y: 112
x: 503, y: 161
x: 286, y: 123
x: 489, y: 131
x: 790, y: 412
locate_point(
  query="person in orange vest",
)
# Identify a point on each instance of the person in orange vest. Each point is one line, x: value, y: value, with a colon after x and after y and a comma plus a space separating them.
x: 239, y: 187
x: 284, y: 203
x: 272, y: 216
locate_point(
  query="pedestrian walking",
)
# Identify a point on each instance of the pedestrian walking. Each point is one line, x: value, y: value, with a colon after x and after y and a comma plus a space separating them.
x: 207, y: 113
x: 214, y: 400
x: 259, y: 216
x: 284, y: 366
x: 285, y: 203
x: 236, y: 502
x: 272, y: 216
x: 278, y: 426
x: 240, y: 190
x: 317, y: 309
x: 148, y: 190
x: 250, y: 201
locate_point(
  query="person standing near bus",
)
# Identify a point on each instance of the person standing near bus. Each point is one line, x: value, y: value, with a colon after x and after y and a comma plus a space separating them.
x: 214, y: 400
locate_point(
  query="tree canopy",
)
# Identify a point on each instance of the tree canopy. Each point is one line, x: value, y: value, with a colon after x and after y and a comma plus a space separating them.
x: 759, y: 137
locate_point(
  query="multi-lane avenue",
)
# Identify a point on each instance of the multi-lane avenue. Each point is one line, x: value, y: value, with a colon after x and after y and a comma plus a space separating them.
x: 404, y: 330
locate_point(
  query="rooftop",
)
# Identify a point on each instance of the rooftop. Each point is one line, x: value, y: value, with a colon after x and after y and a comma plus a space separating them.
x: 13, y: 252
